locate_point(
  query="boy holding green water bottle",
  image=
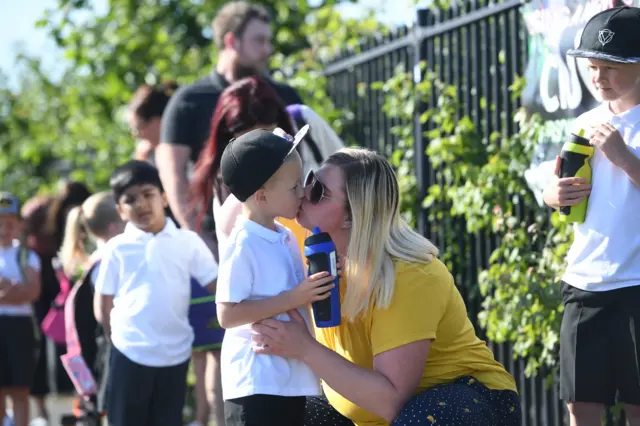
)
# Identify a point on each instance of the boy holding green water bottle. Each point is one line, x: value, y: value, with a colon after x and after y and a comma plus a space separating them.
x: 600, y: 335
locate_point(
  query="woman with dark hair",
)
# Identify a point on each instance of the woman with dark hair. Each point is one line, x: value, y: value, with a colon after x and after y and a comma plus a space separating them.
x: 144, y: 114
x: 248, y: 104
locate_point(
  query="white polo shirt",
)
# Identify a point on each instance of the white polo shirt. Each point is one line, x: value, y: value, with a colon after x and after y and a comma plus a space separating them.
x: 149, y: 277
x: 605, y: 254
x: 258, y: 263
x: 10, y: 270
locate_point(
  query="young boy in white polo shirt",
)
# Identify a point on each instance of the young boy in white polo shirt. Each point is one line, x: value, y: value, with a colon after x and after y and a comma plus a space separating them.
x: 600, y: 335
x: 19, y: 287
x: 262, y: 276
x: 143, y: 292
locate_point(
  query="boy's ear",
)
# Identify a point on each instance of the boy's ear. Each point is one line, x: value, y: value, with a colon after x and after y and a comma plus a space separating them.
x: 165, y: 202
x: 260, y: 196
x: 121, y: 213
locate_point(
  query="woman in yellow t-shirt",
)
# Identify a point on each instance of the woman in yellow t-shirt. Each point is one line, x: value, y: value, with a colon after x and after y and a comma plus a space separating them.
x: 405, y: 352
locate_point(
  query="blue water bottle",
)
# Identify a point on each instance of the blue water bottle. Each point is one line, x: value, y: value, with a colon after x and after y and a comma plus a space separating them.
x: 321, y: 254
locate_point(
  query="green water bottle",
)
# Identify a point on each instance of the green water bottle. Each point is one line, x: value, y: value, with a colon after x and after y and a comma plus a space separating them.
x: 575, y: 156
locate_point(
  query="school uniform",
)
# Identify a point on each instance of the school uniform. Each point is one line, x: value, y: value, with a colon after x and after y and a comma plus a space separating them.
x: 18, y: 331
x: 258, y: 263
x: 599, y: 351
x: 149, y: 276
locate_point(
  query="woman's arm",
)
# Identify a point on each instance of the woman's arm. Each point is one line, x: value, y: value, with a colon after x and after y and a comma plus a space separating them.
x: 382, y: 391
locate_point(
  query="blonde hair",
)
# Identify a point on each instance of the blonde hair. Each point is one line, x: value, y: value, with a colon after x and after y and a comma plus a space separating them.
x: 93, y: 217
x: 379, y: 236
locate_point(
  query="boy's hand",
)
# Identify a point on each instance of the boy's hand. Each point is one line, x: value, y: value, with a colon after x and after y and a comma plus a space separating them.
x: 314, y: 288
x: 607, y: 138
x: 565, y: 191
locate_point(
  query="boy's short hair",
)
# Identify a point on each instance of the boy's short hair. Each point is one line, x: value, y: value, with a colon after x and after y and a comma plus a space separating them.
x: 250, y: 160
x: 9, y: 204
x: 132, y: 173
x: 234, y: 17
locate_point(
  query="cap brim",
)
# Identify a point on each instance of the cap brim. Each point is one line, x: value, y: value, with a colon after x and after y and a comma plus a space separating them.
x: 580, y: 53
x: 298, y: 137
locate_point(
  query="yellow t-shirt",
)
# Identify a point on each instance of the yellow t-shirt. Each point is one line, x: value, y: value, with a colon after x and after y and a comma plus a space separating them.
x: 300, y: 232
x: 426, y: 305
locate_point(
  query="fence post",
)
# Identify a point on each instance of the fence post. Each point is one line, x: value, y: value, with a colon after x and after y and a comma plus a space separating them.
x: 419, y: 147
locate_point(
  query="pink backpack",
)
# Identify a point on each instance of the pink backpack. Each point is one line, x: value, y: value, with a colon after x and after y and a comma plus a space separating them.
x: 73, y: 361
x: 53, y: 324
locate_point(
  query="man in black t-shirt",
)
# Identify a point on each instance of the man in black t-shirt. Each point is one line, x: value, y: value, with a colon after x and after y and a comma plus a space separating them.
x: 242, y: 34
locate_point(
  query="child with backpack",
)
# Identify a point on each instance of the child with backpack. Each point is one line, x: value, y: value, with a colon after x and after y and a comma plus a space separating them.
x: 90, y: 225
x: 19, y: 287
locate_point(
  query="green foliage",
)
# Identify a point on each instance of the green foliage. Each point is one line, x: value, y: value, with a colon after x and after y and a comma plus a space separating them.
x: 480, y: 192
x: 76, y: 124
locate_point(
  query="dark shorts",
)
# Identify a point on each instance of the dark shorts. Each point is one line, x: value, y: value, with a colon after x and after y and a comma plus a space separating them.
x: 265, y: 410
x: 600, y: 346
x: 465, y: 402
x: 139, y: 395
x: 18, y: 351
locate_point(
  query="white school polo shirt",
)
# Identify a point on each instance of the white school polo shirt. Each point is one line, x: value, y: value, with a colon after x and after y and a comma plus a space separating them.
x: 149, y: 277
x: 258, y: 263
x: 605, y: 254
x: 10, y: 270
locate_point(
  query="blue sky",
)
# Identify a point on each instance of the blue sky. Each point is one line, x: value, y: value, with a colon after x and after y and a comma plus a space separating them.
x: 17, y: 29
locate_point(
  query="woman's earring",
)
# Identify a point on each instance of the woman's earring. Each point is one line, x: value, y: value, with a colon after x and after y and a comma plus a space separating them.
x: 346, y: 224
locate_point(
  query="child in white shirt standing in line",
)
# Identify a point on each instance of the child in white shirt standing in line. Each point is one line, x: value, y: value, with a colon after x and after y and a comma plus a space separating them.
x: 599, y: 350
x: 19, y: 287
x: 262, y: 276
x: 143, y: 293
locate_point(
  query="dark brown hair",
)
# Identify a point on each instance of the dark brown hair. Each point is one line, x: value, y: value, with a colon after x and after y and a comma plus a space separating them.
x: 234, y: 17
x: 149, y: 102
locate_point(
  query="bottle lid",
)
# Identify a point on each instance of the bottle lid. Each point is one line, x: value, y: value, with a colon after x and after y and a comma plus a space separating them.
x: 316, y: 230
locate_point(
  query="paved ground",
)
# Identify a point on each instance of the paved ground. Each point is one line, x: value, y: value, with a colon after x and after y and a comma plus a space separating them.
x: 57, y: 405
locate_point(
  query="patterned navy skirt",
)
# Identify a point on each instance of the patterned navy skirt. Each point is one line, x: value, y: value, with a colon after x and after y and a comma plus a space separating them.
x: 465, y: 402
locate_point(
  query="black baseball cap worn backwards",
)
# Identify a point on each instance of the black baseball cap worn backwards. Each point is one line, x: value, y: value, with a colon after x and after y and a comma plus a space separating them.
x: 612, y: 35
x: 250, y: 160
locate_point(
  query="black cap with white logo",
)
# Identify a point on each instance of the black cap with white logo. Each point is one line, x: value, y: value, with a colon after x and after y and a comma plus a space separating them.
x: 250, y: 160
x: 612, y: 35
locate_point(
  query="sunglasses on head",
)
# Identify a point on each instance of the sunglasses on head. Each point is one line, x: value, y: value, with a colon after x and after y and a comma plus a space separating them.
x: 316, y: 192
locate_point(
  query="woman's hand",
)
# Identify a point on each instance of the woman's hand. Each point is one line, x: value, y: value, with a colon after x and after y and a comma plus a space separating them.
x: 290, y: 339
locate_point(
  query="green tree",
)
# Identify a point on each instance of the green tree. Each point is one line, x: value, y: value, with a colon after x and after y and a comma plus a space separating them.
x: 75, y: 123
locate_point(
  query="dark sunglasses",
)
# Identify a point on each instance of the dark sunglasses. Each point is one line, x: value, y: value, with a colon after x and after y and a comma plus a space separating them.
x: 316, y: 193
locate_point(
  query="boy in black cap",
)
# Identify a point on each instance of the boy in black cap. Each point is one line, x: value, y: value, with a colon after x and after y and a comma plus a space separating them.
x: 262, y: 276
x: 600, y: 335
x: 19, y: 287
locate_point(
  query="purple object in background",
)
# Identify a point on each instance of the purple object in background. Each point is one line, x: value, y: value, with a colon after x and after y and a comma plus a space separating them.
x: 203, y: 319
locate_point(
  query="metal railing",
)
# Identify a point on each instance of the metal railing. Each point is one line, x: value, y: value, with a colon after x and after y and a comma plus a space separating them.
x: 480, y: 49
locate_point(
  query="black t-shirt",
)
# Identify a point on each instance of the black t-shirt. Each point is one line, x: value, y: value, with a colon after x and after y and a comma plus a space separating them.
x: 187, y: 118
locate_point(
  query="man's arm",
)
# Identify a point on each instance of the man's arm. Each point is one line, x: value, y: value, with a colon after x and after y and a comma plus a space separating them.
x: 172, y: 161
x: 24, y: 293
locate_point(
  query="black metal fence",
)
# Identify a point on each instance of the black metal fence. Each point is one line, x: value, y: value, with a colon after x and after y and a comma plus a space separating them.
x: 481, y: 49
